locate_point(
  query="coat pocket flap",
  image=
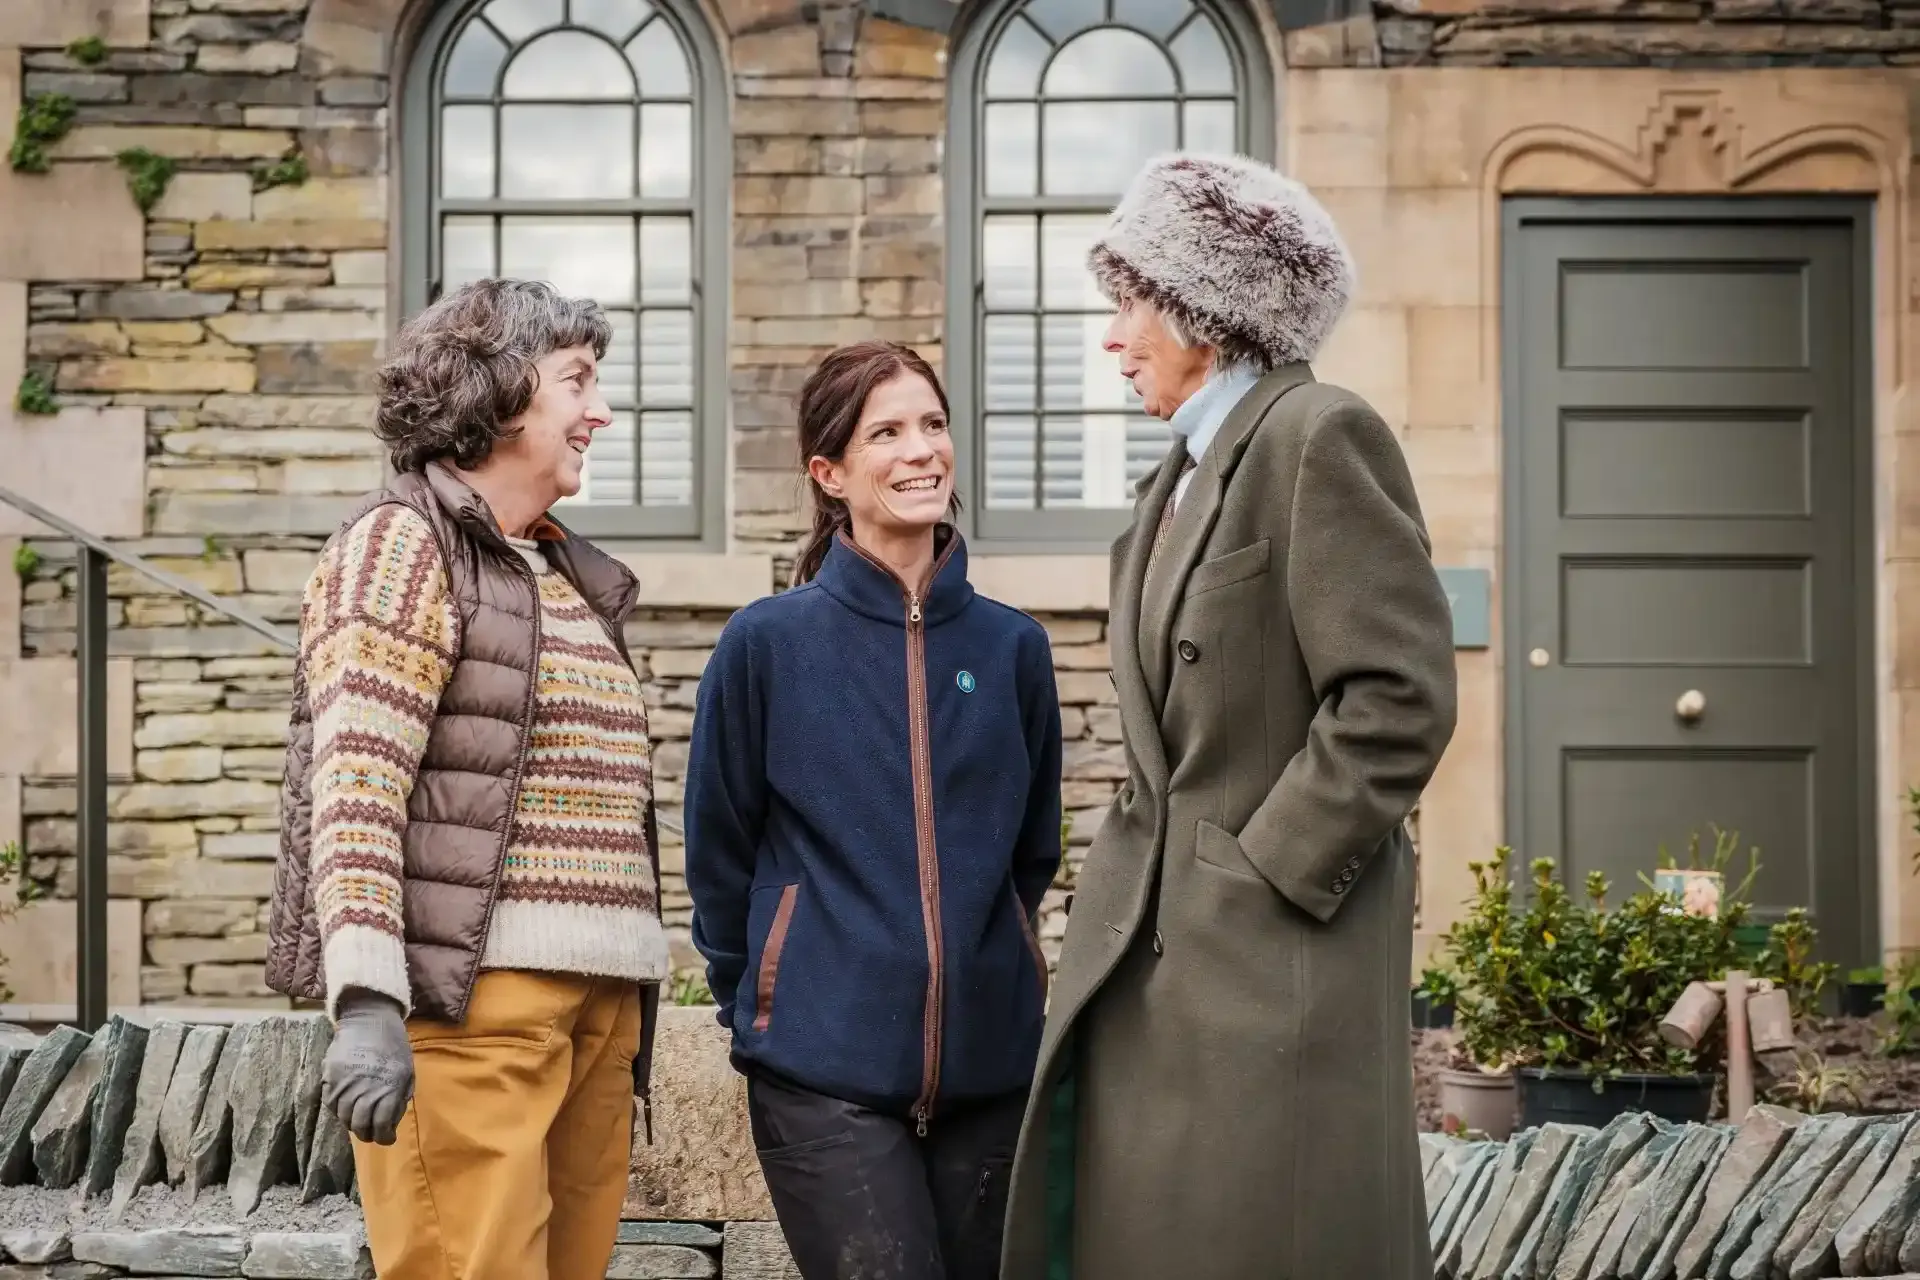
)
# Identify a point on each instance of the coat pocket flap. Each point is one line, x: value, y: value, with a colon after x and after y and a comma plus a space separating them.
x: 1218, y: 848
x: 1237, y: 565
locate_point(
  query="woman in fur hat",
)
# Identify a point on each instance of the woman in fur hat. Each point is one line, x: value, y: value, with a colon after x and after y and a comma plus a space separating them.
x: 1225, y: 1089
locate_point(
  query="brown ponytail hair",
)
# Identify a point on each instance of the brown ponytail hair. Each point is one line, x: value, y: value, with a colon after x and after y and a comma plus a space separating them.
x: 831, y: 403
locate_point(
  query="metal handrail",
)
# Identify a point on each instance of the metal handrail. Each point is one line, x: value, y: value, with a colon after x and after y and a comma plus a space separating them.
x: 90, y: 654
x: 173, y: 582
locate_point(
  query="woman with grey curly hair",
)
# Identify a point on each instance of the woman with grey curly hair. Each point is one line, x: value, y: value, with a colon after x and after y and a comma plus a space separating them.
x: 468, y: 871
x: 1225, y: 1088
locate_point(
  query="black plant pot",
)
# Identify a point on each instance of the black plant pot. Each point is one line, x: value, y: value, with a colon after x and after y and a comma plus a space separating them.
x: 1428, y: 1016
x: 1569, y: 1098
x: 1861, y: 999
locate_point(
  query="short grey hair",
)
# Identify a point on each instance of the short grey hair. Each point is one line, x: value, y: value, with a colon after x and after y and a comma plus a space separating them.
x: 464, y: 367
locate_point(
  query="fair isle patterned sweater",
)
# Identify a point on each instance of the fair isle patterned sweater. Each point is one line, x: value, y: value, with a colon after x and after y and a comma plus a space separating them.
x: 380, y: 632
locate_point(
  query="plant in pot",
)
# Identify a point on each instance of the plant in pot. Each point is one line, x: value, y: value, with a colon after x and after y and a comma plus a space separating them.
x: 1863, y: 992
x: 1569, y: 993
x: 1433, y: 999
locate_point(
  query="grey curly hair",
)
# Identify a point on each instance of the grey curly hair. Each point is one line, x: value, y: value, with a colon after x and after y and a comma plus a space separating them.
x: 464, y: 368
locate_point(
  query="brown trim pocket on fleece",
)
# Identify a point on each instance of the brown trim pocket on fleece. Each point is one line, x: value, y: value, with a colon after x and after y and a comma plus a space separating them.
x: 1033, y: 943
x: 770, y: 958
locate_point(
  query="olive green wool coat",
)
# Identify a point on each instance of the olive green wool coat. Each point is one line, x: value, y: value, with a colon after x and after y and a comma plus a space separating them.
x: 1230, y: 1016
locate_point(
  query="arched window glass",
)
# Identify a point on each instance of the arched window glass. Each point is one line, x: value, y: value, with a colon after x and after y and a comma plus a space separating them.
x: 578, y: 142
x: 1057, y: 104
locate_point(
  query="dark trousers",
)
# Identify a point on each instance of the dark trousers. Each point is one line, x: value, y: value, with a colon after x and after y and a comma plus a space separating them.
x: 861, y: 1197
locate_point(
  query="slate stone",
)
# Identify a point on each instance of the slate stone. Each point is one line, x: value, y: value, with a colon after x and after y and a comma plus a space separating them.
x: 1660, y: 1152
x: 1446, y: 1172
x: 39, y: 1078
x: 1527, y: 1249
x: 113, y: 1104
x: 1807, y: 1220
x: 1432, y: 1147
x: 1464, y: 1262
x: 1531, y: 1182
x: 61, y: 1134
x: 60, y: 1271
x: 329, y: 1168
x: 691, y: 1234
x: 186, y: 1092
x: 1819, y: 1253
x: 36, y: 1244
x: 209, y: 1156
x: 1665, y: 1196
x: 1763, y: 1132
x: 1746, y: 1215
x: 1661, y: 1265
x: 308, y: 1255
x: 16, y: 1045
x: 1851, y: 1241
x: 169, y: 1251
x: 141, y: 1160
x: 1623, y: 1190
x: 1790, y: 1192
x: 1591, y: 1229
x: 1474, y: 1164
x: 262, y: 1091
x: 1886, y: 1238
x: 314, y: 1035
x: 1599, y: 1160
x: 1473, y: 1195
x: 660, y: 1262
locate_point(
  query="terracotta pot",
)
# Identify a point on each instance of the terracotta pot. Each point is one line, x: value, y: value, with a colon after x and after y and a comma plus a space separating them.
x: 1478, y: 1101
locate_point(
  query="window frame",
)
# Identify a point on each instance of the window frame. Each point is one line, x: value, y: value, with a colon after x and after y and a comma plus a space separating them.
x: 701, y: 526
x: 1042, y: 530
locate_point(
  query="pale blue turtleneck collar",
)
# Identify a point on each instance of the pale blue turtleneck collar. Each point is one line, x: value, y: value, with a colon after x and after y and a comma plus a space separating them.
x: 1200, y: 417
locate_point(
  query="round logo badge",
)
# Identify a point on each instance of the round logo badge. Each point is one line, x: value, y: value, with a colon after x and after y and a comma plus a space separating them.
x: 965, y: 681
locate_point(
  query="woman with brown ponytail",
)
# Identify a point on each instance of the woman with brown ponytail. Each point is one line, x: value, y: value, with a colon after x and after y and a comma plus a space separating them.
x: 873, y: 814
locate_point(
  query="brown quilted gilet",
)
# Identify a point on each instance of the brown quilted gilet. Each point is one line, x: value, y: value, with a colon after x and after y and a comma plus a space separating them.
x: 461, y: 810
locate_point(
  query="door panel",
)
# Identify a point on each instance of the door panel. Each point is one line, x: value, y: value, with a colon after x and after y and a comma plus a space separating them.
x: 1683, y: 449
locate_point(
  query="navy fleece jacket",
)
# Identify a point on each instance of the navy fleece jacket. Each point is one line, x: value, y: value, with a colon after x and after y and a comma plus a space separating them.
x: 872, y: 816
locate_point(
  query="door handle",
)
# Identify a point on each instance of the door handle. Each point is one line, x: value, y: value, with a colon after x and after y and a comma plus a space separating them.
x: 1691, y: 706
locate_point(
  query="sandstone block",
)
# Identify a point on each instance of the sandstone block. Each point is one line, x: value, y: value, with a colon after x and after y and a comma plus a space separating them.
x: 170, y: 1251
x: 326, y: 234
x: 264, y: 58
x: 141, y: 1159
x: 87, y: 87
x: 180, y: 764
x: 757, y: 1251
x: 701, y: 1166
x: 896, y: 195
x: 659, y: 1262
x: 903, y: 119
x: 360, y: 268
x: 819, y: 117
x: 114, y: 375
x: 210, y: 1152
x: 105, y: 142
x: 85, y: 338
x: 262, y: 328
x: 242, y: 275
x: 154, y: 304
x: 202, y: 197
x: 328, y: 368
x: 193, y: 1074
x: 217, y: 728
x: 305, y: 1255
x: 230, y: 981
x: 263, y: 845
x: 192, y: 799
x: 243, y: 513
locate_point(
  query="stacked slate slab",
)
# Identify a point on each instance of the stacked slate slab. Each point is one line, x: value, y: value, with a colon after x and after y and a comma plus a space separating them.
x: 1779, y: 1196
x: 204, y: 1108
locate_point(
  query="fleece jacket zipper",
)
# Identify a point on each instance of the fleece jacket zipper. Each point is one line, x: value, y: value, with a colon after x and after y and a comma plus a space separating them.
x: 920, y: 747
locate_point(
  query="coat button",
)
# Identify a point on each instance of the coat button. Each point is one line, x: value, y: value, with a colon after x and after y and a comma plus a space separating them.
x: 1189, y: 652
x: 1339, y: 886
x: 1159, y: 947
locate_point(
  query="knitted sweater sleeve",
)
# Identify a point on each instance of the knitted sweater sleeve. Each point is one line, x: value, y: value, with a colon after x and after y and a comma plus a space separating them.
x: 378, y: 635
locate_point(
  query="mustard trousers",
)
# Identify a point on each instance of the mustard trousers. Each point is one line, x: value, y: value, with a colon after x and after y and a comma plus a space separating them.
x: 511, y: 1161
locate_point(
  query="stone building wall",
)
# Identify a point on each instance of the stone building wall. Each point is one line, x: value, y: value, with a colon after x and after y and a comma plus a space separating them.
x: 212, y: 359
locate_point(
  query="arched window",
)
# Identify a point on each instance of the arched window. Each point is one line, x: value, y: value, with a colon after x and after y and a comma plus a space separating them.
x: 1056, y: 104
x: 582, y: 142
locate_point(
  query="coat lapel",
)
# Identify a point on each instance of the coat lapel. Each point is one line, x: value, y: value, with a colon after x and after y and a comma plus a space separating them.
x: 1137, y: 717
x: 1193, y: 524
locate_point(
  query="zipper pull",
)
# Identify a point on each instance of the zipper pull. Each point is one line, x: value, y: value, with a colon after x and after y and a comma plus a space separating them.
x: 913, y: 615
x: 920, y: 1121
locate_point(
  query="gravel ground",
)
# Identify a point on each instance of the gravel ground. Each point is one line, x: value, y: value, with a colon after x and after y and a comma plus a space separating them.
x: 279, y: 1210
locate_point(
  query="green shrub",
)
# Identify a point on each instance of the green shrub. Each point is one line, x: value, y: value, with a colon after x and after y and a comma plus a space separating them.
x: 147, y: 175
x: 289, y: 171
x: 88, y: 51
x: 35, y: 395
x: 25, y: 561
x: 13, y: 867
x: 44, y: 120
x: 1788, y: 960
x: 1577, y: 985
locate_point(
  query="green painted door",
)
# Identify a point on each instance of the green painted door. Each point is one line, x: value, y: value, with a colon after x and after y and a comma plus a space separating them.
x: 1686, y: 431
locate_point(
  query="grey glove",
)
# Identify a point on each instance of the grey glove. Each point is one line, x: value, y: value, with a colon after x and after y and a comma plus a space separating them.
x: 367, y: 1078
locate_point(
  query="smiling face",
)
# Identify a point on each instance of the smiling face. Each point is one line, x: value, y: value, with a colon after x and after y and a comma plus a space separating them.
x: 1164, y: 373
x: 550, y: 449
x: 896, y: 475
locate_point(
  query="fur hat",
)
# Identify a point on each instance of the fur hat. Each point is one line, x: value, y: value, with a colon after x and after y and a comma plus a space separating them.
x: 1242, y: 255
